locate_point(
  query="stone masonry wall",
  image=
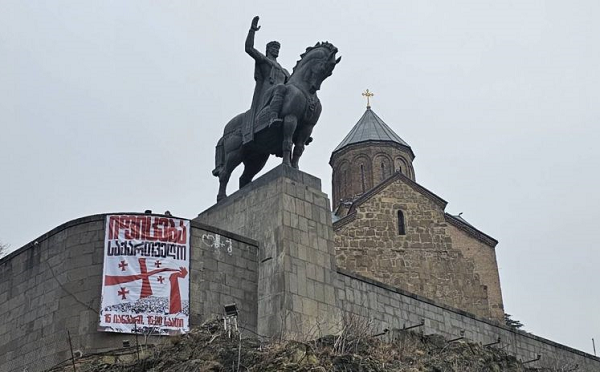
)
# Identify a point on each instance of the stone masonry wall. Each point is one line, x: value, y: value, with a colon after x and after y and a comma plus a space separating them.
x: 347, y: 178
x: 53, y: 285
x: 485, y: 265
x: 286, y: 211
x: 391, y: 308
x: 422, y: 261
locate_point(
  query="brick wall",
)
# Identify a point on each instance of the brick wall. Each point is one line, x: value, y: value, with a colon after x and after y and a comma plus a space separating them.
x: 54, y: 285
x: 392, y: 308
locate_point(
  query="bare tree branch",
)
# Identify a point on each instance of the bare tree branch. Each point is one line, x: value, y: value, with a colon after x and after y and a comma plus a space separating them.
x: 3, y: 249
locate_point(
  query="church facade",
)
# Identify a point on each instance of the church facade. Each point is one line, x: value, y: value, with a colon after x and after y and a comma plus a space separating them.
x: 391, y: 229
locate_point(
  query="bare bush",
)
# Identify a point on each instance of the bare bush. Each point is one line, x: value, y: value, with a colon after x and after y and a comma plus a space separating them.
x: 355, y: 330
x: 3, y: 249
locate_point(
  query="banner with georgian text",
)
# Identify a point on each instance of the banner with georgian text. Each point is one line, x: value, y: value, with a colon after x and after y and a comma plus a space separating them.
x: 146, y: 281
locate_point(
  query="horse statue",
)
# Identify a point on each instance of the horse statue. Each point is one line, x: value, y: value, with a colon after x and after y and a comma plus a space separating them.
x: 282, y: 127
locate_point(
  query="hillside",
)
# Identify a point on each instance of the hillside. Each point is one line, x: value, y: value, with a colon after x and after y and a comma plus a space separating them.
x: 208, y: 348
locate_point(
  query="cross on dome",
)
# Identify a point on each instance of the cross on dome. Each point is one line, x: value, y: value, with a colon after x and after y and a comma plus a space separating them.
x: 368, y: 94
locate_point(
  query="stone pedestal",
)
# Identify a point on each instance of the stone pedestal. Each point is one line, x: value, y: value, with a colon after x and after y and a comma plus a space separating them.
x: 288, y: 214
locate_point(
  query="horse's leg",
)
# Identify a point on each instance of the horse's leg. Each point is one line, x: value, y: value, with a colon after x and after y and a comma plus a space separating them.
x: 298, y: 150
x: 233, y: 150
x: 252, y: 165
x: 289, y: 126
x: 223, y: 180
x: 232, y: 160
x: 301, y: 138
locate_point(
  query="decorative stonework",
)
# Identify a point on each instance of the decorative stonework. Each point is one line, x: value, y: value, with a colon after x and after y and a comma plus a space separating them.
x: 359, y: 167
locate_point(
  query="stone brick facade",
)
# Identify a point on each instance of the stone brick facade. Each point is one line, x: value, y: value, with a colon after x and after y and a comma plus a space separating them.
x: 420, y: 260
x: 53, y: 285
x: 391, y: 308
x: 480, y: 249
x: 286, y: 211
x: 359, y: 167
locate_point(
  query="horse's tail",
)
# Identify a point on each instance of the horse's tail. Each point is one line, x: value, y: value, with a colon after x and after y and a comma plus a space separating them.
x: 219, y: 157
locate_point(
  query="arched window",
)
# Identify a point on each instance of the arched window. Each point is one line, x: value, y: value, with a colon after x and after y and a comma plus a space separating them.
x: 401, y: 223
x: 382, y: 171
x: 345, y: 182
x: 400, y: 169
x: 362, y: 177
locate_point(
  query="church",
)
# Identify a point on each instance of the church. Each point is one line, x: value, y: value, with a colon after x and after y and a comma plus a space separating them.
x: 391, y: 229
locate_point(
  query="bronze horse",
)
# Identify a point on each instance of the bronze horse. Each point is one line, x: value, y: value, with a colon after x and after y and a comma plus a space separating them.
x: 298, y: 108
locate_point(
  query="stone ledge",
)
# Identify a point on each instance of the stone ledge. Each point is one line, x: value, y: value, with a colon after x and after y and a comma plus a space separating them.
x: 355, y: 145
x: 281, y: 171
x: 101, y: 217
x: 344, y: 221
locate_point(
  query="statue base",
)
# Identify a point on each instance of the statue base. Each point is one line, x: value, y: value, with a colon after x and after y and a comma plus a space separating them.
x: 288, y: 214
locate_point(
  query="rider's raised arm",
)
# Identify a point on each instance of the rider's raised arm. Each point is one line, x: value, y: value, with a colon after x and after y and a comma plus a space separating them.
x: 250, y: 41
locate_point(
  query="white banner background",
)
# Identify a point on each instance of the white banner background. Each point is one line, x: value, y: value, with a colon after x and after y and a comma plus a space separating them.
x: 146, y: 275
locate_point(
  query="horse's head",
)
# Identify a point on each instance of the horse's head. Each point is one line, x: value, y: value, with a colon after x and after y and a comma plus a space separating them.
x: 320, y: 61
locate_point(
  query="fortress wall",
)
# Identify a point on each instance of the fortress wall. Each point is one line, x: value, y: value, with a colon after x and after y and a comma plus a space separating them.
x: 391, y: 308
x: 54, y: 286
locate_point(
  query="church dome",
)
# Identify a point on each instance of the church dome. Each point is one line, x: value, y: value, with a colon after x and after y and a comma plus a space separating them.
x: 370, y: 127
x: 370, y: 153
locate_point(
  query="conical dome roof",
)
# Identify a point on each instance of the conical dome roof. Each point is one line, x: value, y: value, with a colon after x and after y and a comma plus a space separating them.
x: 370, y: 127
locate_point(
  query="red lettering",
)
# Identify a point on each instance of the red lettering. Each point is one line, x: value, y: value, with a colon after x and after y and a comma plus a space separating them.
x: 127, y: 319
x: 173, y: 322
x: 149, y: 228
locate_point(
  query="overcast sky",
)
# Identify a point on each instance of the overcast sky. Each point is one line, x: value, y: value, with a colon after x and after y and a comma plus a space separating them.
x: 110, y: 106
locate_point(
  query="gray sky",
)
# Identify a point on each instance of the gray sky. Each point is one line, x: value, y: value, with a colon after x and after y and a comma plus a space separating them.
x: 117, y: 106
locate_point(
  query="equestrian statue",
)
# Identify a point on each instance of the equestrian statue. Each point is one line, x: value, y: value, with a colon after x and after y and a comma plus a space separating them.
x: 284, y: 110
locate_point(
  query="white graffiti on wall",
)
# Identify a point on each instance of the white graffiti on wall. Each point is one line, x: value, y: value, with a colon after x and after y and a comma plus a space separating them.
x: 218, y: 243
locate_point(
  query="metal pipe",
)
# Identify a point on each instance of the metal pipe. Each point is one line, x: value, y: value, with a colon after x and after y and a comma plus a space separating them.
x: 137, y: 345
x: 539, y: 356
x: 385, y: 331
x: 462, y: 335
x: 493, y: 343
x: 71, y: 347
x: 414, y: 326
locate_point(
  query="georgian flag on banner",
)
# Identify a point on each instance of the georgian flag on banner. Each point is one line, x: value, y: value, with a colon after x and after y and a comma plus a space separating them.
x: 145, y: 282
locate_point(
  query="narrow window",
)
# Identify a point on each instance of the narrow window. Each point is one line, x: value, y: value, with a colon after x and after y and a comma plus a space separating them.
x: 401, y: 226
x: 345, y: 184
x: 362, y: 177
x: 400, y: 169
x: 382, y: 171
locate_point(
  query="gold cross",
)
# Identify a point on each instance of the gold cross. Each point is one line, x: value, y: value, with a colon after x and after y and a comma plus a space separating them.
x: 368, y: 95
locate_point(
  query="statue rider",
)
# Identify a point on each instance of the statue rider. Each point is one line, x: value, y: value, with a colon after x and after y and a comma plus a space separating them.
x: 267, y: 73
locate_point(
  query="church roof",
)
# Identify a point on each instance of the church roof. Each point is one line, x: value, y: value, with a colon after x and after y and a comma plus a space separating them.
x: 370, y: 127
x: 462, y: 224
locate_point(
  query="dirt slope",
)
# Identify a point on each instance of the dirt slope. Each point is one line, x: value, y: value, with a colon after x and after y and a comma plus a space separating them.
x: 208, y: 348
